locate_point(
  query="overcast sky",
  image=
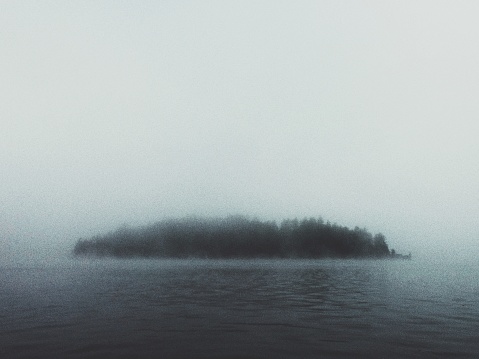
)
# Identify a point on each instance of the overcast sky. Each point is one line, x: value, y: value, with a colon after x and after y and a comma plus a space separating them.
x: 362, y: 112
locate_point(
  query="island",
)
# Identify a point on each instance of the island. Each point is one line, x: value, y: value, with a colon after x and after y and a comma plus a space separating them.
x: 237, y: 237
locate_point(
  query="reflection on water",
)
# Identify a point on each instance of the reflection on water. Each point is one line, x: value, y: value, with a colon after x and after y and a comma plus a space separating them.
x: 265, y: 308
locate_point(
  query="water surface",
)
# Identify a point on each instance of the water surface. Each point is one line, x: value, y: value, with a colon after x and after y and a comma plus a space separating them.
x: 256, y: 308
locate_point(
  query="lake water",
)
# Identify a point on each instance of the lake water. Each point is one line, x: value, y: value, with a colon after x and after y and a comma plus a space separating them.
x: 240, y: 309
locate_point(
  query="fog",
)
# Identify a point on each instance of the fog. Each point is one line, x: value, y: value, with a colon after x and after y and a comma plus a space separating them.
x: 361, y: 112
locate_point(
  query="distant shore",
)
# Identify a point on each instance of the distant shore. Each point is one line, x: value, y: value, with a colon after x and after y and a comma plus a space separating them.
x: 238, y: 237
x: 395, y: 255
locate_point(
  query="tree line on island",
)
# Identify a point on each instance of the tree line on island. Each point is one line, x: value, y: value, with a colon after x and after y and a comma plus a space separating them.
x: 237, y: 237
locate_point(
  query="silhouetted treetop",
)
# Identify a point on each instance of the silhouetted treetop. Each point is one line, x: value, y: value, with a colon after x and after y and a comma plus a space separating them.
x: 236, y: 237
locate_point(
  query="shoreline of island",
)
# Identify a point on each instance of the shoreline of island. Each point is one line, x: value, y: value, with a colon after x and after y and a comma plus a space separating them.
x: 238, y: 237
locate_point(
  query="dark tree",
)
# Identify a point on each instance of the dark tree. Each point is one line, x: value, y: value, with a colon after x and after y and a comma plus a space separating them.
x: 237, y: 237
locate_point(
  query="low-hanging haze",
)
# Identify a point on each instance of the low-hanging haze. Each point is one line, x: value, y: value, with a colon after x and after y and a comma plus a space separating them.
x: 362, y: 112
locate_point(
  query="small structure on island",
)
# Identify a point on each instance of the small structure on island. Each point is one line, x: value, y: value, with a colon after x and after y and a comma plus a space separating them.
x: 400, y: 256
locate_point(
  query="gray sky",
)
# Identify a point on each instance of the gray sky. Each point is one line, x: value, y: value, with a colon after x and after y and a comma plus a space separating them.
x: 363, y: 112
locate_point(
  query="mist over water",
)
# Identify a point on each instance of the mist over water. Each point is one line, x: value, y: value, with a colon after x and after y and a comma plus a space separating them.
x: 116, y: 112
x: 132, y: 112
x: 235, y: 308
